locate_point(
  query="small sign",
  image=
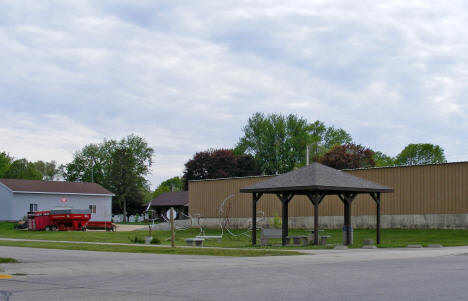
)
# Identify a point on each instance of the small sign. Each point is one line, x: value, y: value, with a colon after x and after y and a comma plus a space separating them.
x: 168, y: 214
x: 63, y: 200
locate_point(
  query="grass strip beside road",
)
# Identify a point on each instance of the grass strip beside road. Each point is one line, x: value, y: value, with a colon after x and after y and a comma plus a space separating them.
x: 8, y: 260
x: 149, y: 249
x: 391, y: 238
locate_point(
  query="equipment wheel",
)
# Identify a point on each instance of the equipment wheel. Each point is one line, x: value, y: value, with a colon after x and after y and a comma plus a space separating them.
x: 53, y: 228
x: 47, y: 228
x: 113, y: 228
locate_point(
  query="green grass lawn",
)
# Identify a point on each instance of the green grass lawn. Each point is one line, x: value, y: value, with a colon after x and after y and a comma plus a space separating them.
x: 390, y: 237
x: 150, y: 249
x: 8, y: 260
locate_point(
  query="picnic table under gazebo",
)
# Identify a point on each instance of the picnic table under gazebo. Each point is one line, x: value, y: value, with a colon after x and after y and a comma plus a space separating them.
x: 315, y: 181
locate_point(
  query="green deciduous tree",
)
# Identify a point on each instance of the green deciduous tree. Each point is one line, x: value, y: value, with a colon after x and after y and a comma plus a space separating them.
x: 322, y: 139
x: 382, y: 160
x: 22, y: 169
x: 49, y: 170
x: 5, y: 161
x: 120, y: 166
x: 276, y: 141
x: 421, y: 153
x: 123, y: 179
x: 91, y: 163
x: 172, y: 184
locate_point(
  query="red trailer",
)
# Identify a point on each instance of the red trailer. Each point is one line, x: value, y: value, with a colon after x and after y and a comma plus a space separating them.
x: 38, y: 220
x: 108, y: 226
x: 53, y: 220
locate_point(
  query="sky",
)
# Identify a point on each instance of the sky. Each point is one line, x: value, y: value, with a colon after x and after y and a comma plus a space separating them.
x: 187, y: 75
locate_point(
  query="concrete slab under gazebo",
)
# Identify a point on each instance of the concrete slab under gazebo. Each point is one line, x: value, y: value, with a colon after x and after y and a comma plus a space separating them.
x: 315, y: 181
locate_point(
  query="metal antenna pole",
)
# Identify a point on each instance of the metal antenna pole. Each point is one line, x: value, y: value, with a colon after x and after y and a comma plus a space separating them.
x: 307, y: 155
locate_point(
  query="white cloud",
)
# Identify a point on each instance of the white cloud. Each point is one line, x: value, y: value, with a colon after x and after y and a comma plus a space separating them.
x: 187, y: 75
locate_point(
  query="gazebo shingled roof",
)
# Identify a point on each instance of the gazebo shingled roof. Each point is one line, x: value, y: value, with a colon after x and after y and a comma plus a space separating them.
x: 316, y: 181
x: 316, y: 177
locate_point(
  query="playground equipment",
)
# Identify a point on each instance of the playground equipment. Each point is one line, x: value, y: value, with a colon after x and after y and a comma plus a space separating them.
x: 224, y: 222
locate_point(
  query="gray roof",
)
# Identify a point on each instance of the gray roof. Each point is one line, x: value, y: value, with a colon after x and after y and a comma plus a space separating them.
x: 177, y: 198
x: 316, y: 177
x: 56, y: 187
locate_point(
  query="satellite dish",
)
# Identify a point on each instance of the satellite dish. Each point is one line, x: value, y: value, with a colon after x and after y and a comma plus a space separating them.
x: 168, y: 214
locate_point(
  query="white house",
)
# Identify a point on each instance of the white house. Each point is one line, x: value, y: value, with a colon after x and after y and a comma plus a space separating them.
x: 18, y: 197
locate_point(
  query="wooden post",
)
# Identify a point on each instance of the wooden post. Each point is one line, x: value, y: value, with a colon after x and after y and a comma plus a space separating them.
x: 254, y: 220
x: 284, y: 232
x: 376, y: 197
x: 172, y: 228
x: 285, y: 198
x: 378, y: 221
x: 348, y: 228
x: 255, y: 198
x: 316, y: 225
x: 347, y: 199
x: 316, y: 199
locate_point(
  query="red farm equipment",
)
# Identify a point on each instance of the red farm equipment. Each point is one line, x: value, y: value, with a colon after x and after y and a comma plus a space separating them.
x: 65, y: 220
x: 108, y: 226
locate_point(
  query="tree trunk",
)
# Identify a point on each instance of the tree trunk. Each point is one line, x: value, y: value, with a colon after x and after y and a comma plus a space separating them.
x: 125, y: 210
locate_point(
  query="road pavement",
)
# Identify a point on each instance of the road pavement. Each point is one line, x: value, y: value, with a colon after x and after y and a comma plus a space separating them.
x: 382, y: 274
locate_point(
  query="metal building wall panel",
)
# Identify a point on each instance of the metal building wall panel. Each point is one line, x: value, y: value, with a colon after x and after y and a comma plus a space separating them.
x: 429, y: 189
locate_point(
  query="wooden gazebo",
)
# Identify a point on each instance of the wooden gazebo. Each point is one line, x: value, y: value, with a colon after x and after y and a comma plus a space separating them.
x: 315, y: 181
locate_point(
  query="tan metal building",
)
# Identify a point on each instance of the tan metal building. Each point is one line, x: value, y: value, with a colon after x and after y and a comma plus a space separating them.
x: 432, y: 196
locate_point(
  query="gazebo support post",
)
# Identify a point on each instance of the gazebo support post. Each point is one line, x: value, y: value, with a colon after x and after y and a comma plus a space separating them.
x: 255, y: 197
x: 284, y: 198
x: 316, y: 198
x: 347, y: 199
x: 376, y: 197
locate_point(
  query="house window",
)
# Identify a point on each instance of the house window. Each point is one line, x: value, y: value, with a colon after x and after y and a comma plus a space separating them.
x: 32, y: 207
x: 92, y: 208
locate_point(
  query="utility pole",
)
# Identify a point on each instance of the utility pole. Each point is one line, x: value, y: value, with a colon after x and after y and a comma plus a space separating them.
x: 307, y: 155
x: 172, y: 228
x: 92, y: 171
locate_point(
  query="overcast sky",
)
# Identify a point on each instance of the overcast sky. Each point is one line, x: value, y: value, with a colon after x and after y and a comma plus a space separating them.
x: 186, y: 75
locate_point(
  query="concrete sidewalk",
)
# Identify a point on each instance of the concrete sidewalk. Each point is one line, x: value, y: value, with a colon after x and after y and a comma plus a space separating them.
x: 328, y: 255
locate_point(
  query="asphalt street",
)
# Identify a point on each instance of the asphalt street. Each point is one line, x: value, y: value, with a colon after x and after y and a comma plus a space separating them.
x: 382, y: 274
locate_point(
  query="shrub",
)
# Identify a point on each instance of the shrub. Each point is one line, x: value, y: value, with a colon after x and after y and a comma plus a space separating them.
x: 277, y: 222
x: 136, y: 240
x: 155, y: 241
